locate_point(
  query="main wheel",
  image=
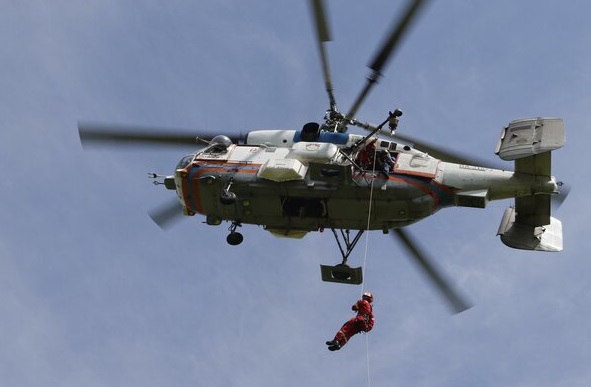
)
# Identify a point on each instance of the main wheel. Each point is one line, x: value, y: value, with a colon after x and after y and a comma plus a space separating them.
x: 234, y: 238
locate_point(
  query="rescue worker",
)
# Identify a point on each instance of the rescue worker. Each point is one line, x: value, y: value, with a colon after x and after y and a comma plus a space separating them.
x: 363, y: 322
x: 366, y: 155
x: 385, y: 161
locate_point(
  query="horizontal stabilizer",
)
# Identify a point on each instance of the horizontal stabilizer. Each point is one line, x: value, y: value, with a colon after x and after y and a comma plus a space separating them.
x: 475, y: 199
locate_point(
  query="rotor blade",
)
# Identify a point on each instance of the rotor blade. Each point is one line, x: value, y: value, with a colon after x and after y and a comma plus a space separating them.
x: 396, y: 35
x: 99, y: 134
x: 323, y: 36
x: 456, y: 302
x: 438, y: 152
x: 167, y: 214
x: 563, y: 193
x: 387, y: 49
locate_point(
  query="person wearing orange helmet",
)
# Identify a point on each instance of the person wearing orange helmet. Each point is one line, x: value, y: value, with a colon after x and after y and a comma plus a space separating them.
x: 362, y: 322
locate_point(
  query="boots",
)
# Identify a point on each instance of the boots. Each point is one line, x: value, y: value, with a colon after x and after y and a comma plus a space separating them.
x: 333, y: 345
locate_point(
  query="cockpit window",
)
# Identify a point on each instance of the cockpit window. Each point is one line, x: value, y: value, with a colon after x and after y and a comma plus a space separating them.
x: 185, y: 161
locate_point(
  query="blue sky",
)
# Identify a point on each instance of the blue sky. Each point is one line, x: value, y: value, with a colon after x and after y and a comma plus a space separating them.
x: 93, y: 293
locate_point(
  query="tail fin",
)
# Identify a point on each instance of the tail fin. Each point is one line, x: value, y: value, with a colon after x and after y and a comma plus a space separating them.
x: 520, y: 235
x: 528, y: 225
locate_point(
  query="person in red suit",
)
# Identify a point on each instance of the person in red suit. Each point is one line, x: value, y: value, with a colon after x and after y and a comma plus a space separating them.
x: 363, y: 322
x: 367, y: 154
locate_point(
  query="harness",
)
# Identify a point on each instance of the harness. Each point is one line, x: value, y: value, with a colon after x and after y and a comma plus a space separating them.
x: 367, y: 319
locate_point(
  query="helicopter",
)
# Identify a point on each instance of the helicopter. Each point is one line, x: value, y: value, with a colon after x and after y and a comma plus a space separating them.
x: 293, y: 182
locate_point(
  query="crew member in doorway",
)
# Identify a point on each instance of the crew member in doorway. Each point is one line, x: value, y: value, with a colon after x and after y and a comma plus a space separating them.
x: 385, y: 161
x: 363, y: 322
x: 367, y: 154
x: 370, y: 158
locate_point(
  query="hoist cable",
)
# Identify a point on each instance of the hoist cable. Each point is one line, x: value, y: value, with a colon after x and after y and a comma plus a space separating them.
x: 369, y: 215
x: 365, y: 257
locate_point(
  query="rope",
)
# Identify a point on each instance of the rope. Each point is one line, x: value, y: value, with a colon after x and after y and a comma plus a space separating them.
x: 369, y: 216
x: 365, y: 259
x: 367, y: 360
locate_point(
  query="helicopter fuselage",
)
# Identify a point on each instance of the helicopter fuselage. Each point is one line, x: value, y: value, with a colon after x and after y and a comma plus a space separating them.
x: 292, y: 187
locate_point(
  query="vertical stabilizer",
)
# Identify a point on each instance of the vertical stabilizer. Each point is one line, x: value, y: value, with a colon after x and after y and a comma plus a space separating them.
x: 529, y: 224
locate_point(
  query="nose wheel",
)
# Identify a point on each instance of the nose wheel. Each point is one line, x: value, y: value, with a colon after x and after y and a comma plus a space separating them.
x: 234, y: 238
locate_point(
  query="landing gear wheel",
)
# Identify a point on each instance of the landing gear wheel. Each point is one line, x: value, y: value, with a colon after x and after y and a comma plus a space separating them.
x: 234, y: 238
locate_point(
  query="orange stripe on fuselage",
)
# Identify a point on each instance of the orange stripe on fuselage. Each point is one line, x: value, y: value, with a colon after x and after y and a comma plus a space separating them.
x: 194, y: 201
x: 422, y: 185
x: 429, y: 191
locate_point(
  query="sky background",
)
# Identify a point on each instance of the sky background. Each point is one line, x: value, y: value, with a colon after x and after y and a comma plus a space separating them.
x: 93, y: 293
